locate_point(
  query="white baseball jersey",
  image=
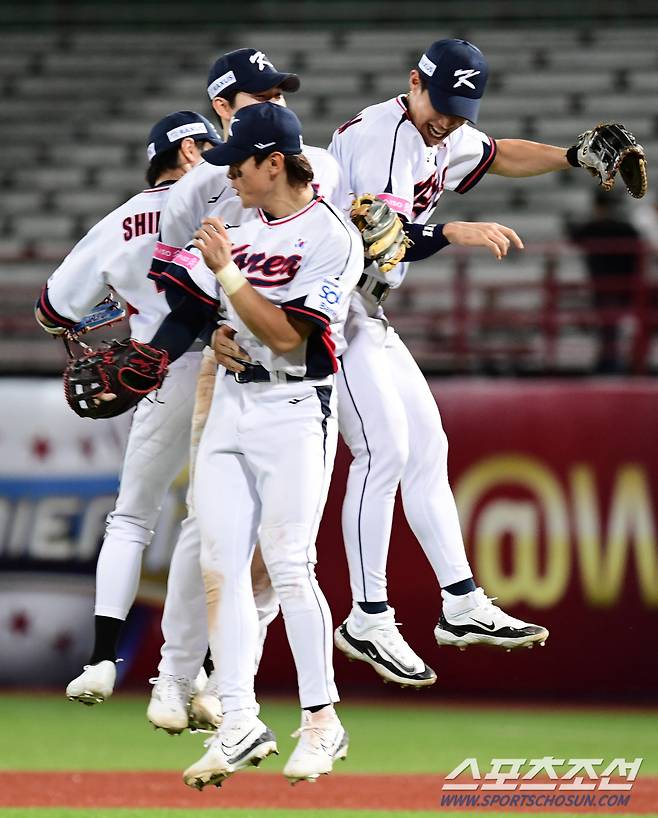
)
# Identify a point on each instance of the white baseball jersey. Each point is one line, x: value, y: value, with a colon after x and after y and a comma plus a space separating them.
x: 115, y: 253
x: 206, y: 191
x: 307, y: 263
x: 382, y: 152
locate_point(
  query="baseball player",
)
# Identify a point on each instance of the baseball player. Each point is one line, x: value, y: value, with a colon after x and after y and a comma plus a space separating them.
x: 237, y: 79
x: 267, y: 450
x: 408, y: 150
x: 116, y: 253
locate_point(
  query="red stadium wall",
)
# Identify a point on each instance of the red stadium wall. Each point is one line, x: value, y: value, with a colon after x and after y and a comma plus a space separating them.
x: 557, y: 486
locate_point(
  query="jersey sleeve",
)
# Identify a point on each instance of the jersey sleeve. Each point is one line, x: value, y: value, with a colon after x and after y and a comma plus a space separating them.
x: 321, y: 290
x: 189, y: 201
x: 188, y: 271
x: 81, y: 280
x: 379, y: 164
x: 471, y: 155
x: 328, y: 177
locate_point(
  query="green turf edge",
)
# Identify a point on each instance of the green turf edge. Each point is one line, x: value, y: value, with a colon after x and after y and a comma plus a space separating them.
x: 50, y: 733
x: 68, y: 812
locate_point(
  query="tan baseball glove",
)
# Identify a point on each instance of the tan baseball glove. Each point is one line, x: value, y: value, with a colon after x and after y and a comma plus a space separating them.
x: 384, y: 239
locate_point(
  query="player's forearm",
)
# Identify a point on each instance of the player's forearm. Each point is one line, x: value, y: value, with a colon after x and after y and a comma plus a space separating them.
x: 186, y: 322
x: 427, y: 240
x: 520, y: 157
x: 269, y: 323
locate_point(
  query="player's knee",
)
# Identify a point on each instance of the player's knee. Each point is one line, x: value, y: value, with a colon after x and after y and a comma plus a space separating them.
x: 436, y: 449
x: 132, y: 529
x: 386, y: 456
x: 285, y: 556
x: 388, y: 459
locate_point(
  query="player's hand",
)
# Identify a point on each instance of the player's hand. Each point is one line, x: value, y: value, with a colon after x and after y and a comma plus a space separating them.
x: 495, y: 237
x: 214, y: 242
x: 226, y: 350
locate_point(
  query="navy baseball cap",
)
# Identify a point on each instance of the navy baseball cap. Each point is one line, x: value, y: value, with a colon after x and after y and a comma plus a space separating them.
x: 171, y: 129
x: 258, y: 129
x: 247, y: 70
x: 456, y: 73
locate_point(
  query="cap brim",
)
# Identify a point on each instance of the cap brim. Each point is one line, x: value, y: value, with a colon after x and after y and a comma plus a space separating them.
x: 272, y: 79
x: 206, y: 137
x: 225, y: 154
x: 452, y: 105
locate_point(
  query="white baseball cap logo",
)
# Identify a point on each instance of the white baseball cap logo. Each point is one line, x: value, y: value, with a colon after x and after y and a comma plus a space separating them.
x: 260, y: 58
x: 464, y: 75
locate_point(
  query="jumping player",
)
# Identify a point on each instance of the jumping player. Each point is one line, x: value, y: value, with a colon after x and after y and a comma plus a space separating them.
x: 235, y: 80
x: 267, y: 450
x: 408, y: 150
x: 116, y: 253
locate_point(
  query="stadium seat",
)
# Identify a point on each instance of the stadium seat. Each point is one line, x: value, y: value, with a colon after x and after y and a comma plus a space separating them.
x: 43, y: 226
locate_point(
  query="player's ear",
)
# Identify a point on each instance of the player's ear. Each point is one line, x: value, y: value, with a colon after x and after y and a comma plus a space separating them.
x: 223, y: 110
x: 189, y: 152
x: 276, y: 163
x: 414, y: 79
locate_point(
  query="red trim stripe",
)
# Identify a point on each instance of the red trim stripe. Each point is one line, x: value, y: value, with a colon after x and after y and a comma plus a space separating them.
x: 478, y: 172
x: 287, y: 219
x: 315, y: 315
x: 155, y: 189
x: 328, y: 341
x: 207, y: 299
x: 49, y: 311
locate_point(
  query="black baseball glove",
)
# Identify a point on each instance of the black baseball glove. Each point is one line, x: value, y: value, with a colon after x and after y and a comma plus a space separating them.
x: 126, y: 369
x: 609, y: 148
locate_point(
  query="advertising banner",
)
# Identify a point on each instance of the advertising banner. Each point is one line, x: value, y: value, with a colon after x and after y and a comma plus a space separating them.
x: 556, y: 484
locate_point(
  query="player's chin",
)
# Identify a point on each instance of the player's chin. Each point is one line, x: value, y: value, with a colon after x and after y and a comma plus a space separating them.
x: 246, y: 199
x: 431, y: 139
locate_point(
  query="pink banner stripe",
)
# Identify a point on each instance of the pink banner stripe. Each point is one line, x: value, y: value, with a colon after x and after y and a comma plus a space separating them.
x: 396, y: 203
x: 186, y: 259
x: 165, y: 252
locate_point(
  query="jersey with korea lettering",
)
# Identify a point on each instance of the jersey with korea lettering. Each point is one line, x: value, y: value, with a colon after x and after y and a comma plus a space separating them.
x: 206, y: 191
x: 307, y: 264
x: 382, y: 152
x: 116, y: 253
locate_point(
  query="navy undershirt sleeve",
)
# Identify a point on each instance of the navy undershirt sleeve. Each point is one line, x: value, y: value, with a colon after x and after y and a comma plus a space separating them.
x: 188, y: 320
x: 427, y: 240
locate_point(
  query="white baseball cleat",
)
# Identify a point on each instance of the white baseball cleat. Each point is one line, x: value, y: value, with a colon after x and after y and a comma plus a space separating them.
x: 168, y: 708
x: 241, y: 741
x: 473, y: 619
x: 375, y: 639
x: 322, y: 739
x: 205, y: 711
x: 94, y: 684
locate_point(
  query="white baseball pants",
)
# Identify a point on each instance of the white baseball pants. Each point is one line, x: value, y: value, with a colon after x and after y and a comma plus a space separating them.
x: 389, y: 419
x: 263, y: 472
x: 157, y: 450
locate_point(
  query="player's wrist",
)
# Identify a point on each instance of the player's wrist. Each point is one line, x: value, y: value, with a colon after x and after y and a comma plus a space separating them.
x: 46, y: 325
x: 230, y: 278
x: 572, y: 156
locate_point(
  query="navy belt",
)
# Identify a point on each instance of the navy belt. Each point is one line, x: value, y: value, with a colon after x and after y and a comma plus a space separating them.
x: 255, y: 373
x: 371, y: 285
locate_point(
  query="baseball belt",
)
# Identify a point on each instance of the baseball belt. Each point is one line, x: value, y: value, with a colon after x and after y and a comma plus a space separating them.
x: 255, y: 373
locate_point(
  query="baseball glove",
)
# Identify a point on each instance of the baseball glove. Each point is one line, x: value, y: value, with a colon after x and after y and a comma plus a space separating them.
x: 127, y: 369
x: 609, y: 148
x: 383, y: 235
